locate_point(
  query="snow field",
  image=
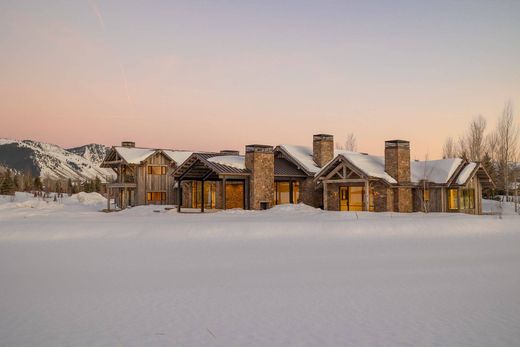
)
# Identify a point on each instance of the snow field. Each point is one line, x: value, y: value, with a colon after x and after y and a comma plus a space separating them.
x: 290, y: 276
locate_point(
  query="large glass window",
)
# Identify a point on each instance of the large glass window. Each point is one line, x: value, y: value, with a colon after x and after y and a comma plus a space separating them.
x: 453, y: 199
x: 157, y: 170
x: 283, y: 192
x: 467, y: 200
x: 353, y: 199
x: 156, y: 196
x: 210, y: 192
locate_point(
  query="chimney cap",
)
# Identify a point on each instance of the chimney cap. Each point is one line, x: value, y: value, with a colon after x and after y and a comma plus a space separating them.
x: 229, y: 152
x: 130, y: 144
x: 259, y: 148
x: 321, y: 137
x: 397, y: 143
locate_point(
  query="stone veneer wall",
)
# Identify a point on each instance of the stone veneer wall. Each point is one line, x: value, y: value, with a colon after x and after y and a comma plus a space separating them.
x: 383, y: 197
x: 260, y: 161
x: 322, y: 149
x: 397, y: 165
x: 309, y: 195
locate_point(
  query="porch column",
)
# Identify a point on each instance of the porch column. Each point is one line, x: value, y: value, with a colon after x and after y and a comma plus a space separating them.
x: 224, y: 193
x: 202, y: 197
x: 325, y: 198
x: 179, y: 195
x: 246, y: 194
x: 367, y: 196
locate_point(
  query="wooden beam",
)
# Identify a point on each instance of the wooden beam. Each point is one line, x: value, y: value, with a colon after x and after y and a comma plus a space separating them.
x: 113, y: 162
x: 367, y: 196
x: 325, y: 199
x: 346, y: 180
x: 179, y: 195
x: 202, y: 197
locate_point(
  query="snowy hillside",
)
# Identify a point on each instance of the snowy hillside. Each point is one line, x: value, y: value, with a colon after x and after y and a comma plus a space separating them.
x: 95, y: 153
x: 289, y: 276
x: 44, y: 159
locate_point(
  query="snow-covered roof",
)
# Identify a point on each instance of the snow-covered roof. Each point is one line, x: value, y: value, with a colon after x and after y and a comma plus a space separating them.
x: 436, y: 171
x: 178, y: 157
x: 371, y: 165
x: 236, y: 161
x: 466, y: 172
x: 302, y: 155
x: 133, y: 155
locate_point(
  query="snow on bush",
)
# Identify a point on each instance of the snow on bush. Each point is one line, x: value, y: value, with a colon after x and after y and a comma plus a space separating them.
x: 90, y: 198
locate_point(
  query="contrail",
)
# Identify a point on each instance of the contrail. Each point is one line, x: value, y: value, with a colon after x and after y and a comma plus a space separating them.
x: 123, y: 73
x: 99, y: 15
x: 97, y: 11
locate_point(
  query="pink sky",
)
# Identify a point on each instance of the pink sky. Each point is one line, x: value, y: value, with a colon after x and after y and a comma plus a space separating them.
x: 214, y: 76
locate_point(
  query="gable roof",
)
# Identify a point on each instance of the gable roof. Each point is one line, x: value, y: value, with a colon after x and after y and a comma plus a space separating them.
x: 136, y: 155
x: 371, y: 165
x: 199, y: 165
x: 435, y: 171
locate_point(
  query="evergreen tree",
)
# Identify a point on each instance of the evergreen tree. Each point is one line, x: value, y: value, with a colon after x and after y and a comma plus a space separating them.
x: 87, y: 186
x: 70, y: 187
x: 490, y: 167
x: 7, y: 187
x: 38, y: 184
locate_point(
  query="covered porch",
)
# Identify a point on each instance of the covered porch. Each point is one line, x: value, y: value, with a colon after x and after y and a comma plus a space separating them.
x: 210, y: 186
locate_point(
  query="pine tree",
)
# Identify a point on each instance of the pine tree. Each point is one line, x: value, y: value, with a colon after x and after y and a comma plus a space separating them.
x: 7, y: 187
x: 70, y: 187
x: 38, y: 184
x: 488, y: 164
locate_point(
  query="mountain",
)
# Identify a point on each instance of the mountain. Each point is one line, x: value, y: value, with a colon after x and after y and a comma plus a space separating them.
x: 48, y: 160
x: 94, y: 152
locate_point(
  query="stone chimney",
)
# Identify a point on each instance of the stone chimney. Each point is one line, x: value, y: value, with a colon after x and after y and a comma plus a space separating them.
x: 229, y: 152
x: 259, y: 161
x: 129, y: 144
x: 397, y: 165
x: 397, y: 160
x: 322, y: 149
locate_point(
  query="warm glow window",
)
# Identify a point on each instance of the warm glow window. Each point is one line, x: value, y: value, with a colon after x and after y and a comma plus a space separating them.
x: 157, y: 170
x: 467, y: 200
x: 210, y: 194
x: 426, y: 195
x: 286, y: 192
x: 453, y: 199
x: 156, y: 196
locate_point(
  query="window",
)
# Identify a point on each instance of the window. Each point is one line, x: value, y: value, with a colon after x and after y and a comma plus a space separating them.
x: 210, y: 193
x: 157, y: 170
x: 283, y: 190
x: 426, y: 195
x: 156, y: 196
x: 467, y: 200
x: 453, y: 199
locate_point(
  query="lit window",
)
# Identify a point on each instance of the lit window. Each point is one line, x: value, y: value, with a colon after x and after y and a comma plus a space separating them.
x: 157, y: 170
x: 453, y: 199
x: 426, y: 195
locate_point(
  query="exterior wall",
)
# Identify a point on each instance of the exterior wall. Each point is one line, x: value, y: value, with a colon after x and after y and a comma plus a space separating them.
x: 333, y: 196
x: 322, y: 149
x: 260, y: 161
x: 403, y: 201
x: 383, y: 197
x: 435, y: 204
x: 309, y: 195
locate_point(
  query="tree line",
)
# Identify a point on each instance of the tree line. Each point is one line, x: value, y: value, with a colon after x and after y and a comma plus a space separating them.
x: 497, y: 149
x: 11, y: 182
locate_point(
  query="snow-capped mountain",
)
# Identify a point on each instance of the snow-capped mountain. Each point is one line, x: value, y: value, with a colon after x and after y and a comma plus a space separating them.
x: 48, y: 160
x: 94, y: 152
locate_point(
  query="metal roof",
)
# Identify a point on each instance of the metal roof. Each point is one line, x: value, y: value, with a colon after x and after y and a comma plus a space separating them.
x: 197, y: 167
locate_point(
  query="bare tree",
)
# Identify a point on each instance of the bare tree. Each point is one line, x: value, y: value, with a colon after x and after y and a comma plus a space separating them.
x: 507, y: 134
x: 449, y: 150
x: 475, y: 139
x: 351, y: 142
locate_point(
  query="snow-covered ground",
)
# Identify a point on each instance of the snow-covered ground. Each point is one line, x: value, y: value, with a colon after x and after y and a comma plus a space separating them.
x: 290, y: 276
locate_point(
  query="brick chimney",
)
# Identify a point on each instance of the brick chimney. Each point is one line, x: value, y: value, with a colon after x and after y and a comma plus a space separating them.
x: 259, y: 160
x: 322, y: 149
x: 397, y: 160
x: 397, y: 165
x: 129, y: 144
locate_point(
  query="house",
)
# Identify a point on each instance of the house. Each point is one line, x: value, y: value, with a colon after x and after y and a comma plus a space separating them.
x: 332, y: 179
x: 143, y: 174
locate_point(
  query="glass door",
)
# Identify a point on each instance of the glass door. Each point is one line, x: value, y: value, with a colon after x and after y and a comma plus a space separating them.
x: 343, y: 198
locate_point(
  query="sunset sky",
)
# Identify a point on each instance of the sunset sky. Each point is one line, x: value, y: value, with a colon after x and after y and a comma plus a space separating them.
x: 209, y: 75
